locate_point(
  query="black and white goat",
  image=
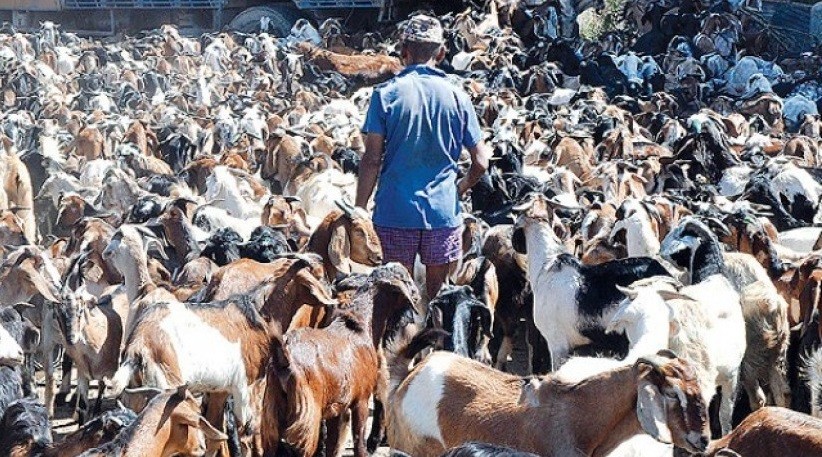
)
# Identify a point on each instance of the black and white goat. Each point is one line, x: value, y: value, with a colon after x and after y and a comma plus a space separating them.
x: 694, y: 247
x: 468, y: 320
x: 573, y: 303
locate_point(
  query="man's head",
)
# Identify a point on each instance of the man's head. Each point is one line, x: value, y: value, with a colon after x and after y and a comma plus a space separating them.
x: 422, y: 41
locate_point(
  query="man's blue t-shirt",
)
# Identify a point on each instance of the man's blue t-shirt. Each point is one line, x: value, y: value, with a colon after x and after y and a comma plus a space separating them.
x: 426, y: 121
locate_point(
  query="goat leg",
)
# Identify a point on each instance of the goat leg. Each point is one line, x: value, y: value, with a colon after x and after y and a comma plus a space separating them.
x: 377, y: 435
x: 47, y: 345
x: 215, y: 406
x: 359, y: 420
x: 65, y: 382
x: 101, y: 391
x: 322, y: 442
x: 81, y: 407
x: 778, y: 384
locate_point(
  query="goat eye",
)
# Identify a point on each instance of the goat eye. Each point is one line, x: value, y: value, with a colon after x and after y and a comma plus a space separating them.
x: 671, y: 394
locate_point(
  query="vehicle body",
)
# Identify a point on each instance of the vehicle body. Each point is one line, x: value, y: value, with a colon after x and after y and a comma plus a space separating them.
x: 107, y: 17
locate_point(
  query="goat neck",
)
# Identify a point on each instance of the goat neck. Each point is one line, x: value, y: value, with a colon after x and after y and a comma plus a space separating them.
x: 372, y: 307
x: 137, y: 279
x: 706, y: 261
x: 543, y: 246
x: 640, y: 237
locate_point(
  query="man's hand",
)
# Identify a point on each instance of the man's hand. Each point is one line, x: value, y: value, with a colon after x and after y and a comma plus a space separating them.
x: 370, y: 167
x: 480, y: 157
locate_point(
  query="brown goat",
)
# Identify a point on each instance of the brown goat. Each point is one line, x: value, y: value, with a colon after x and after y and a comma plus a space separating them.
x: 318, y: 374
x: 11, y: 229
x: 89, y: 143
x: 280, y: 211
x: 463, y: 400
x: 773, y: 431
x: 169, y: 425
x: 371, y: 69
x: 292, y: 299
x: 570, y: 154
x: 804, y: 148
x: 342, y: 238
x: 142, y: 137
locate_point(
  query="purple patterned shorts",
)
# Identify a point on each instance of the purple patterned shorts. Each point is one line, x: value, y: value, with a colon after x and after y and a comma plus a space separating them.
x: 435, y: 246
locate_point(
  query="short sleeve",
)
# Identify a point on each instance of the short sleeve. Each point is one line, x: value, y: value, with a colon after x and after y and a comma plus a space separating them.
x: 375, y: 118
x: 472, y: 132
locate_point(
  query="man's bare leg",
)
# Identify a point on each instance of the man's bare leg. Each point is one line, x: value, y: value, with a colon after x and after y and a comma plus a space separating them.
x: 435, y: 276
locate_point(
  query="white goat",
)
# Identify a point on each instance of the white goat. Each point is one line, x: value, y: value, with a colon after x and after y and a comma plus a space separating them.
x: 320, y: 191
x: 656, y: 313
x: 634, y: 220
x: 223, y: 189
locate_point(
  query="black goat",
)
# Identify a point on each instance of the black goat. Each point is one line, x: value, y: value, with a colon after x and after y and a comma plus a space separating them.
x: 11, y: 387
x: 265, y: 245
x: 159, y: 184
x: 27, y: 336
x: 25, y: 428
x: 485, y: 450
x: 223, y: 247
x: 348, y: 159
x: 146, y: 208
x: 759, y: 190
x: 94, y: 433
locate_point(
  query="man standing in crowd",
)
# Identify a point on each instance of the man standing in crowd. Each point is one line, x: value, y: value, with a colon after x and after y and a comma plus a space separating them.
x: 416, y: 126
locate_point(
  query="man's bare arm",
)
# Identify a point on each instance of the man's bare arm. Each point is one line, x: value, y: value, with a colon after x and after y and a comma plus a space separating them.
x: 480, y: 156
x: 369, y: 168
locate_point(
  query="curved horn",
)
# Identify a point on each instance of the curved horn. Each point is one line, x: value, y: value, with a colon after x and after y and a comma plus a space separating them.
x: 655, y: 361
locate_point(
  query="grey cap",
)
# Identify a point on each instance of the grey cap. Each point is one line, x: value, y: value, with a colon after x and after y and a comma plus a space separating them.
x: 423, y: 29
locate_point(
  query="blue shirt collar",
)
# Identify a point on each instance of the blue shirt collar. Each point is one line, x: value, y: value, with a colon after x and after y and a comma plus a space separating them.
x: 422, y: 68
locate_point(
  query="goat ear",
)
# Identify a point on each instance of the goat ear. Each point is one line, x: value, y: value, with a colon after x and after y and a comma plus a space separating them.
x: 808, y: 301
x: 617, y: 323
x: 650, y: 409
x: 210, y: 432
x: 673, y: 295
x: 315, y: 288
x: 434, y: 318
x: 628, y: 292
x: 339, y: 249
x: 42, y: 286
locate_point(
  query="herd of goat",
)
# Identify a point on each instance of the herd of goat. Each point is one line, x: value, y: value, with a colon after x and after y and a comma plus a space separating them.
x: 642, y: 271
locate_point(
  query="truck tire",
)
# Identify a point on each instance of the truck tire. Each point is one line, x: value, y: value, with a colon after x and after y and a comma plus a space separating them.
x: 282, y: 18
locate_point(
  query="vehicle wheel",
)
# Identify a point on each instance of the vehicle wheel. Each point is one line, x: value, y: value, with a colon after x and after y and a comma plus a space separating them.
x: 280, y: 20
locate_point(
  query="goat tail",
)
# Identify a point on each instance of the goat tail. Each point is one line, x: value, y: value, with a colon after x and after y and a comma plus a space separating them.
x: 402, y: 350
x: 122, y: 377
